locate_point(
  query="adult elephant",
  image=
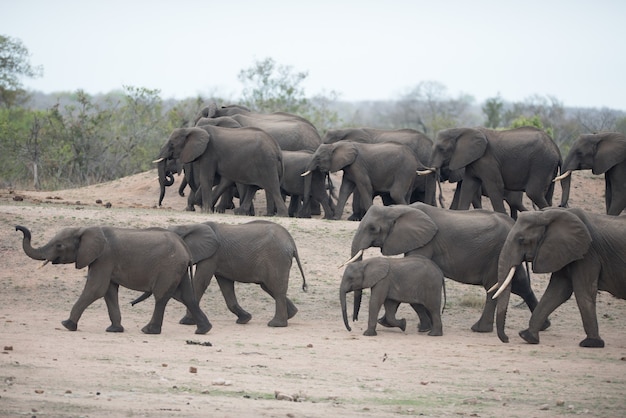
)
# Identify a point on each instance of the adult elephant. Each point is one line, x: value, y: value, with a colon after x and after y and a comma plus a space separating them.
x: 292, y: 132
x: 255, y: 252
x: 304, y: 190
x: 151, y: 260
x: 420, y: 144
x: 603, y: 153
x: 246, y: 155
x: 370, y: 168
x: 522, y: 159
x: 464, y: 244
x: 583, y: 251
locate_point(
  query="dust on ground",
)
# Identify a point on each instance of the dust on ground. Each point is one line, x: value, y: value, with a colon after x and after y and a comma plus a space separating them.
x: 312, y: 368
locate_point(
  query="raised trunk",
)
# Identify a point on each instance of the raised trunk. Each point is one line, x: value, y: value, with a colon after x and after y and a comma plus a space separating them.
x: 34, y: 253
x: 342, y: 298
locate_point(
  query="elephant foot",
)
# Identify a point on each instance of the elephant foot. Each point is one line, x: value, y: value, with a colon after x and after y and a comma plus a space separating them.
x: 352, y: 217
x: 503, y: 337
x: 277, y: 323
x: 529, y: 337
x: 291, y: 311
x: 478, y: 327
x: 383, y: 321
x: 402, y: 324
x: 437, y: 333
x: 70, y: 325
x: 115, y: 328
x: 151, y: 329
x: 187, y: 320
x: 190, y: 209
x: 592, y: 343
x: 545, y: 325
x: 244, y: 318
x: 424, y: 327
x: 203, y: 329
x: 370, y: 332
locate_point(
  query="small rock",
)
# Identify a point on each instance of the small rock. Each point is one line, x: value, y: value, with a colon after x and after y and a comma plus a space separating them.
x: 164, y: 365
x: 8, y: 348
x: 39, y: 391
x: 108, y: 205
x: 193, y: 369
x: 424, y: 383
x: 99, y: 201
x: 18, y: 198
x: 309, y: 346
x: 560, y: 402
x: 544, y: 407
x: 220, y: 382
x: 68, y: 391
x: 283, y: 396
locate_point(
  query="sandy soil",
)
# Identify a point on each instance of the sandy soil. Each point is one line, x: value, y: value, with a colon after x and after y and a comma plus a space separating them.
x: 315, y: 365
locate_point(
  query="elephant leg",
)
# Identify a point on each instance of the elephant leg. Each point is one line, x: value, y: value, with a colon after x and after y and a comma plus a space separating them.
x: 156, y: 322
x: 185, y: 293
x: 432, y: 312
x: 615, y: 189
x: 537, y: 193
x: 273, y: 196
x: 558, y: 291
x: 227, y: 287
x: 426, y: 322
x: 376, y: 302
x: 223, y: 186
x: 226, y: 201
x: 389, y: 320
x: 521, y: 287
x: 248, y: 192
x: 586, y: 291
x: 113, y: 306
x: 485, y: 323
x: 201, y: 280
x: 96, y: 287
x: 281, y: 315
x: 346, y: 189
x: 470, y: 187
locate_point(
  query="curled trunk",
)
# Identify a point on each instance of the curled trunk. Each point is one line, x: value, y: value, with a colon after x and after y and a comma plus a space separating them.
x: 34, y: 253
x: 166, y: 179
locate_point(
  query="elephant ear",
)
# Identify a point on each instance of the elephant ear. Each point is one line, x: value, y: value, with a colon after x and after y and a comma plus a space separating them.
x: 565, y: 239
x: 91, y: 246
x: 200, y: 239
x: 611, y: 150
x: 196, y: 141
x: 343, y: 154
x: 210, y: 110
x: 412, y: 229
x: 375, y: 270
x: 470, y: 146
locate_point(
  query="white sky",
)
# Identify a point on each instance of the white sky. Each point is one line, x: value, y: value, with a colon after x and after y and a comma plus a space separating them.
x: 572, y: 49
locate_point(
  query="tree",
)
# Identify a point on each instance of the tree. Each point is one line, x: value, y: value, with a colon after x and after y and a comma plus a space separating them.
x: 493, y: 111
x: 14, y: 63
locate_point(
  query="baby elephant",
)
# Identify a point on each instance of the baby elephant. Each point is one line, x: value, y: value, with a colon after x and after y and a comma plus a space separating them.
x: 415, y: 280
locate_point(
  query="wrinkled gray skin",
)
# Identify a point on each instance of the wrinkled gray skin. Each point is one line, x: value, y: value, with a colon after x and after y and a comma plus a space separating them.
x: 292, y: 132
x: 245, y: 155
x: 522, y: 159
x: 255, y: 252
x: 602, y: 153
x: 415, y: 280
x: 583, y: 251
x: 465, y: 245
x: 304, y: 190
x: 151, y: 260
x: 425, y: 186
x: 369, y: 168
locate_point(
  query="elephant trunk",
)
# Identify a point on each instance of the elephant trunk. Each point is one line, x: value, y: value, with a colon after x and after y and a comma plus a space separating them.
x: 565, y: 187
x: 510, y: 260
x: 34, y: 253
x: 165, y: 179
x: 342, y: 298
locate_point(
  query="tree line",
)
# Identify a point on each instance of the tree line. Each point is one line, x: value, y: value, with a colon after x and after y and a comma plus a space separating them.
x: 70, y: 139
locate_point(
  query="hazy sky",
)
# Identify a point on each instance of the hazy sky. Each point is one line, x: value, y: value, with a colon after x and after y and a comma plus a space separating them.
x: 573, y: 50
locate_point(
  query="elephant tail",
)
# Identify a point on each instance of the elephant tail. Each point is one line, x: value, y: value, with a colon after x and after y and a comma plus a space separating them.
x: 141, y: 298
x: 445, y: 298
x: 305, y: 287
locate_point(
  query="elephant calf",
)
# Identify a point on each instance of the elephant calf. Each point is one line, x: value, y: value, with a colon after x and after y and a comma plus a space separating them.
x: 414, y: 280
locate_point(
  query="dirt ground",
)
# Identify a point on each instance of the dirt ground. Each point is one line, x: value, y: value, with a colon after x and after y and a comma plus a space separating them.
x: 312, y: 368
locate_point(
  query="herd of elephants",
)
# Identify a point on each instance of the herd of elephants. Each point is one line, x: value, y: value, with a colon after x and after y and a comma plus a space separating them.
x: 231, y: 152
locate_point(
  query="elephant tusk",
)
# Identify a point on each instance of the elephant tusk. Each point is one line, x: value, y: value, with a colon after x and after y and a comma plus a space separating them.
x: 492, y: 288
x: 358, y: 254
x: 506, y: 282
x: 562, y: 176
x: 306, y: 173
x: 425, y: 172
x: 44, y: 263
x: 159, y: 160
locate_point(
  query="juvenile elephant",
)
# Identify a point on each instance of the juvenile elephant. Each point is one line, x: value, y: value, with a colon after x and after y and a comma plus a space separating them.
x: 424, y: 187
x: 602, y: 153
x: 522, y: 159
x: 414, y: 280
x: 247, y: 156
x: 583, y: 251
x: 151, y: 260
x: 255, y: 252
x: 465, y: 245
x: 304, y: 190
x: 370, y: 168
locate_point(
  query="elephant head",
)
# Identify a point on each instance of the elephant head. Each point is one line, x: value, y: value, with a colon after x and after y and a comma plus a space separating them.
x: 458, y: 147
x: 332, y: 157
x: 549, y: 239
x: 597, y: 152
x: 81, y: 246
x: 358, y: 276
